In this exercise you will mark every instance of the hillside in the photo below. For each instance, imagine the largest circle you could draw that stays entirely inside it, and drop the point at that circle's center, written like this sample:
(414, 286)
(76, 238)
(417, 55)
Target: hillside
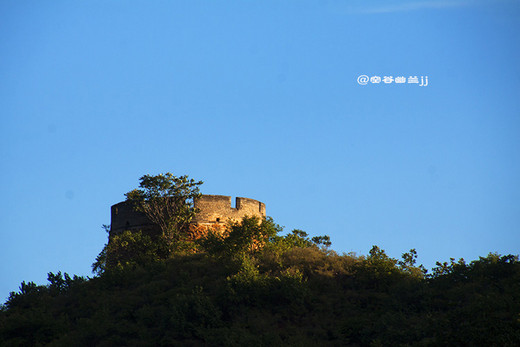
(245, 283)
(291, 291)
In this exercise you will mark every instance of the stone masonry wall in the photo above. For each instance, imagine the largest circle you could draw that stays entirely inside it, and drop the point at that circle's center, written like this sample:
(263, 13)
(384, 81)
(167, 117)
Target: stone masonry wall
(217, 209)
(213, 209)
(124, 217)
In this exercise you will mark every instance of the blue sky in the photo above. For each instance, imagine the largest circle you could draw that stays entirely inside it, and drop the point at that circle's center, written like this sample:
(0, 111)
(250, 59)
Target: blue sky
(260, 99)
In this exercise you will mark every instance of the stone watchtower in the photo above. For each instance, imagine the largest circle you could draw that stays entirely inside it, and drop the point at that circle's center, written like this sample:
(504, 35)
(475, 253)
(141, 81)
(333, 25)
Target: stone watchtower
(213, 209)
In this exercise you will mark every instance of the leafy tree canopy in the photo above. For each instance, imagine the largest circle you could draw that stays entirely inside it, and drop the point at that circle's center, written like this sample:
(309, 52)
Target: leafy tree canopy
(168, 201)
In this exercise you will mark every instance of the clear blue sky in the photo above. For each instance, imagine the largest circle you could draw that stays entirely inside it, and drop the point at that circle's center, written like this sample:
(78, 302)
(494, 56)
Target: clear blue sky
(260, 99)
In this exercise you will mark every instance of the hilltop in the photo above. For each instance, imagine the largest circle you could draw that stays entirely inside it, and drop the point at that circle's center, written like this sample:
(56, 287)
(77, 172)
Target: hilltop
(298, 296)
(247, 283)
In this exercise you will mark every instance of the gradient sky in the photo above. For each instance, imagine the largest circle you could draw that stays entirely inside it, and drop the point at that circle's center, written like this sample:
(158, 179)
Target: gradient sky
(260, 99)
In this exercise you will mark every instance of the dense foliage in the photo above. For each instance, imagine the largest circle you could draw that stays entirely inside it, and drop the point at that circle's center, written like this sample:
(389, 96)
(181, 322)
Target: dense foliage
(247, 284)
(258, 288)
(167, 201)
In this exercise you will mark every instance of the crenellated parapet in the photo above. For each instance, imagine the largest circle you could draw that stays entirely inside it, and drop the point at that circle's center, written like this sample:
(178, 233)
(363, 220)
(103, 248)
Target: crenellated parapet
(218, 209)
(213, 209)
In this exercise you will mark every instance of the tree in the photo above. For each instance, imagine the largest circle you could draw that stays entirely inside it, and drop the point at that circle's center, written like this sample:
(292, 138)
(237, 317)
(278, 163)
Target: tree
(168, 201)
(243, 238)
(130, 249)
(407, 265)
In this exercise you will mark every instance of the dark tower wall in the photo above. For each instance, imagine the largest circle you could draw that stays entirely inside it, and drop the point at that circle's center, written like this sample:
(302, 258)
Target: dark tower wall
(124, 217)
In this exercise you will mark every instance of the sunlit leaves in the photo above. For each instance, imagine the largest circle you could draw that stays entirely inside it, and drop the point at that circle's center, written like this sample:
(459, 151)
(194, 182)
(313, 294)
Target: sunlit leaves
(168, 201)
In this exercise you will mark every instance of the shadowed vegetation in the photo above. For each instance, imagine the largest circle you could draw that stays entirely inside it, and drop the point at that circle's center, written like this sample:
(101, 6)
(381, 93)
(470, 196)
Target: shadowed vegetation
(259, 288)
(247, 284)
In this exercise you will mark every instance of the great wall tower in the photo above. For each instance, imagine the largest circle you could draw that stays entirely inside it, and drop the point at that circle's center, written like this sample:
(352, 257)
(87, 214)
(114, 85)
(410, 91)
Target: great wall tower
(213, 209)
